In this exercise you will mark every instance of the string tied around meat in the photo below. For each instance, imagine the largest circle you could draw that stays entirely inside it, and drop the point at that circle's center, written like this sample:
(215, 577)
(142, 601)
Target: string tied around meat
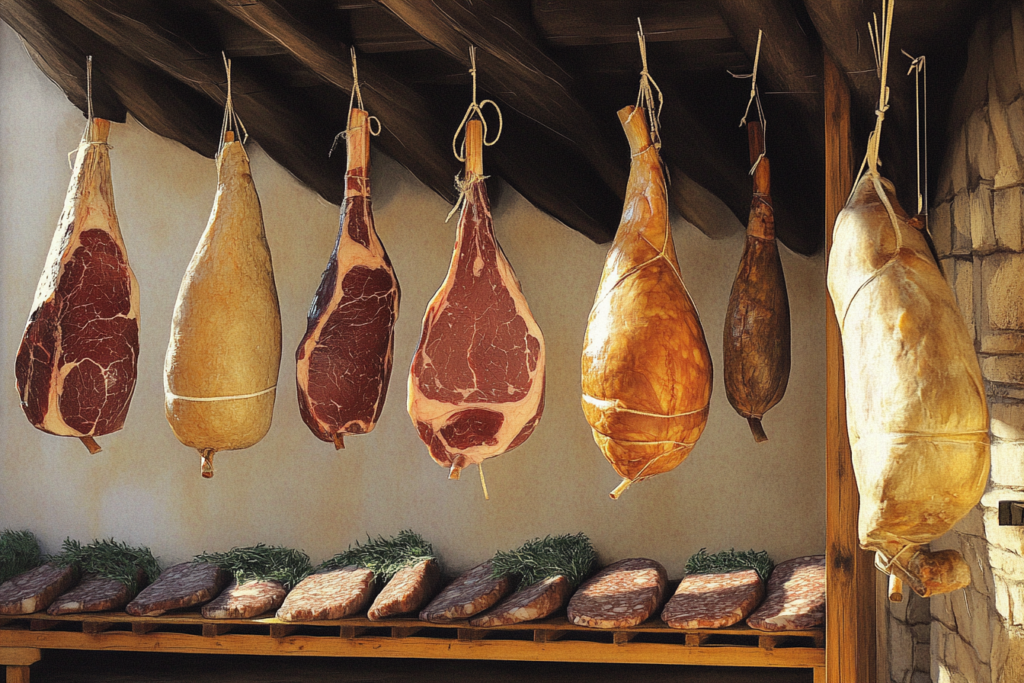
(475, 109)
(755, 97)
(89, 114)
(231, 119)
(355, 98)
(645, 96)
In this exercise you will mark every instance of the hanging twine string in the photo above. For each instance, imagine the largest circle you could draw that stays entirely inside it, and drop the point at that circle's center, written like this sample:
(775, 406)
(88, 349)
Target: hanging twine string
(880, 46)
(645, 97)
(919, 69)
(231, 120)
(755, 96)
(89, 112)
(475, 109)
(88, 85)
(355, 98)
(483, 482)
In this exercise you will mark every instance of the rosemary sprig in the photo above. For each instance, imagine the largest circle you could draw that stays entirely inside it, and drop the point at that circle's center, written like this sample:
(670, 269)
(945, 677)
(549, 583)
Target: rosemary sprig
(384, 556)
(569, 555)
(730, 561)
(109, 559)
(262, 563)
(19, 552)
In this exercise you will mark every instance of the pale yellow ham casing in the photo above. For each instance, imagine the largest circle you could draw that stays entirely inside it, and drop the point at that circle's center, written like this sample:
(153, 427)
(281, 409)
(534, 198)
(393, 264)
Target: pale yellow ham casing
(915, 400)
(646, 365)
(220, 372)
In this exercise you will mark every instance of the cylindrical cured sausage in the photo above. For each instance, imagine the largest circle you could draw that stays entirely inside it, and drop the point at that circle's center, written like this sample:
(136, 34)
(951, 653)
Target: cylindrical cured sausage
(756, 348)
(646, 365)
(220, 372)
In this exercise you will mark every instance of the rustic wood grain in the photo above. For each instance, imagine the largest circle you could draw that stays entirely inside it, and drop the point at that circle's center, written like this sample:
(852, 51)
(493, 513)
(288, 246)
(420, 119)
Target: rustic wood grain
(569, 22)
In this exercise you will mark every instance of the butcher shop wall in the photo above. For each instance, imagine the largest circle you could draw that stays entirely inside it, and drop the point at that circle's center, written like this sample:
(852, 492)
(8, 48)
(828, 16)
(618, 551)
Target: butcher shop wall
(977, 220)
(294, 490)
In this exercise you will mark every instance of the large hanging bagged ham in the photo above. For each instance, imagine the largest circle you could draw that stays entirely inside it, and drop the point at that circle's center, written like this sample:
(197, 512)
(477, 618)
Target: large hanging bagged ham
(915, 399)
(646, 365)
(476, 386)
(756, 345)
(343, 363)
(76, 367)
(220, 372)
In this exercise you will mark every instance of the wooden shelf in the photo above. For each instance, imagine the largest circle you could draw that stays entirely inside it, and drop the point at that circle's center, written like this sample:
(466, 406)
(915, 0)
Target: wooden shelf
(552, 640)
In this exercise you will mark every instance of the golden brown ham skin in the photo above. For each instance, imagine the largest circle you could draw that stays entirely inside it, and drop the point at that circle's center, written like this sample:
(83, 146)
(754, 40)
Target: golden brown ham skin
(916, 410)
(756, 346)
(646, 366)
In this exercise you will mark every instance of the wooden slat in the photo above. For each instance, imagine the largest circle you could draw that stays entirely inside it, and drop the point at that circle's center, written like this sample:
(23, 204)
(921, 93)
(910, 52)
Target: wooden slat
(41, 624)
(282, 630)
(570, 22)
(623, 637)
(214, 630)
(696, 639)
(405, 631)
(473, 634)
(422, 648)
(142, 628)
(547, 636)
(351, 631)
(19, 656)
(96, 626)
(850, 638)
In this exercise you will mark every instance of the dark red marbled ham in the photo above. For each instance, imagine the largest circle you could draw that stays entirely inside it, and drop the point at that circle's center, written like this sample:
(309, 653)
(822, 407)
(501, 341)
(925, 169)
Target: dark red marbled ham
(343, 363)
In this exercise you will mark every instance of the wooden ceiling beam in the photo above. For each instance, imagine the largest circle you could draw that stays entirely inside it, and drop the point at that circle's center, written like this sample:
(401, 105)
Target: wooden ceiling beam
(374, 29)
(595, 22)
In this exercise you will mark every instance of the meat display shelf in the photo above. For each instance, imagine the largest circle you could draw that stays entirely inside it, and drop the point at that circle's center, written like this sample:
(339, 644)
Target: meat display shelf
(22, 638)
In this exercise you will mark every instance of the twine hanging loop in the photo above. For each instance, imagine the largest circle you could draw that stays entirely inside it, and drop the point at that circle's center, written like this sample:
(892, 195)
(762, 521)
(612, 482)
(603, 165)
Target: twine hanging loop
(231, 120)
(355, 98)
(755, 97)
(475, 108)
(645, 97)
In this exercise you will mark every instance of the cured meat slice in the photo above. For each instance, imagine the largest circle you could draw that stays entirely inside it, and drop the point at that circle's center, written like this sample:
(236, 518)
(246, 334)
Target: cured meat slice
(646, 365)
(94, 594)
(77, 364)
(915, 398)
(407, 591)
(34, 590)
(714, 600)
(476, 385)
(621, 595)
(756, 351)
(188, 584)
(220, 371)
(470, 594)
(796, 597)
(343, 363)
(329, 594)
(242, 601)
(533, 602)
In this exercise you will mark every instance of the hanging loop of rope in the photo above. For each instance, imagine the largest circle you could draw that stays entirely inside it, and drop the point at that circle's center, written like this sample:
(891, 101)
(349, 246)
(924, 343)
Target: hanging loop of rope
(755, 97)
(477, 109)
(880, 38)
(918, 67)
(354, 99)
(645, 97)
(231, 120)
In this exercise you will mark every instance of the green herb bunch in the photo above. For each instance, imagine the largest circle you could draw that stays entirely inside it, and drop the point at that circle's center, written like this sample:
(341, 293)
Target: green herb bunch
(19, 552)
(730, 561)
(385, 557)
(262, 563)
(109, 559)
(569, 555)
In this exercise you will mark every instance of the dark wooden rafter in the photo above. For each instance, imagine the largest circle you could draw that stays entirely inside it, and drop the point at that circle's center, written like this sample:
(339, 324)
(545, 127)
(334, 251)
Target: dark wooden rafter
(570, 22)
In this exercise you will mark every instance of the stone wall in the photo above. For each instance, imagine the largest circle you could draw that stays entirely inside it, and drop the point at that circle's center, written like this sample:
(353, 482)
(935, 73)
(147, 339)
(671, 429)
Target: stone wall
(977, 221)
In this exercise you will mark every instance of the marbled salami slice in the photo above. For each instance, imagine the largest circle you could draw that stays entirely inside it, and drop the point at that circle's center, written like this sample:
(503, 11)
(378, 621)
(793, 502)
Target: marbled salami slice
(246, 600)
(329, 594)
(407, 591)
(94, 594)
(188, 584)
(796, 596)
(35, 589)
(714, 600)
(470, 594)
(533, 602)
(621, 595)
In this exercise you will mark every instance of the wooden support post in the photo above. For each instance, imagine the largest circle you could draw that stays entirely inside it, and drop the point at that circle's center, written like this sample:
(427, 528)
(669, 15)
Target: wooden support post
(18, 674)
(141, 628)
(214, 630)
(282, 630)
(850, 626)
(353, 631)
(547, 635)
(18, 660)
(770, 642)
(41, 624)
(696, 639)
(473, 633)
(94, 627)
(623, 637)
(405, 631)
(819, 674)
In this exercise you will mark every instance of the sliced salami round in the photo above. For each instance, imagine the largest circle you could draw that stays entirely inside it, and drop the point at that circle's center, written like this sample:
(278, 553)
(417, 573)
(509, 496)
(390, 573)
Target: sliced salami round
(621, 595)
(35, 589)
(470, 594)
(533, 602)
(329, 594)
(407, 591)
(796, 596)
(188, 584)
(714, 600)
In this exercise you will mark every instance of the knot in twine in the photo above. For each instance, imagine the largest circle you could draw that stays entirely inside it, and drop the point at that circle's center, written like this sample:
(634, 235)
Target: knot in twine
(755, 96)
(645, 97)
(354, 98)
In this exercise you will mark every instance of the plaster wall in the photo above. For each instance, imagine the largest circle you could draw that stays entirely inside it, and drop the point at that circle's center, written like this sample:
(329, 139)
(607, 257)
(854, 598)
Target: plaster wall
(295, 490)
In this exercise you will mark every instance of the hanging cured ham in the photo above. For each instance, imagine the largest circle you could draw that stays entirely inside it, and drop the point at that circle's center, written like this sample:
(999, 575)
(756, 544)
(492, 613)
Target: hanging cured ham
(646, 365)
(756, 345)
(476, 386)
(220, 372)
(76, 367)
(915, 399)
(343, 363)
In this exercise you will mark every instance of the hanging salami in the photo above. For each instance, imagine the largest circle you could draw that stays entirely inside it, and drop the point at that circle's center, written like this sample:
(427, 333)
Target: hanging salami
(220, 371)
